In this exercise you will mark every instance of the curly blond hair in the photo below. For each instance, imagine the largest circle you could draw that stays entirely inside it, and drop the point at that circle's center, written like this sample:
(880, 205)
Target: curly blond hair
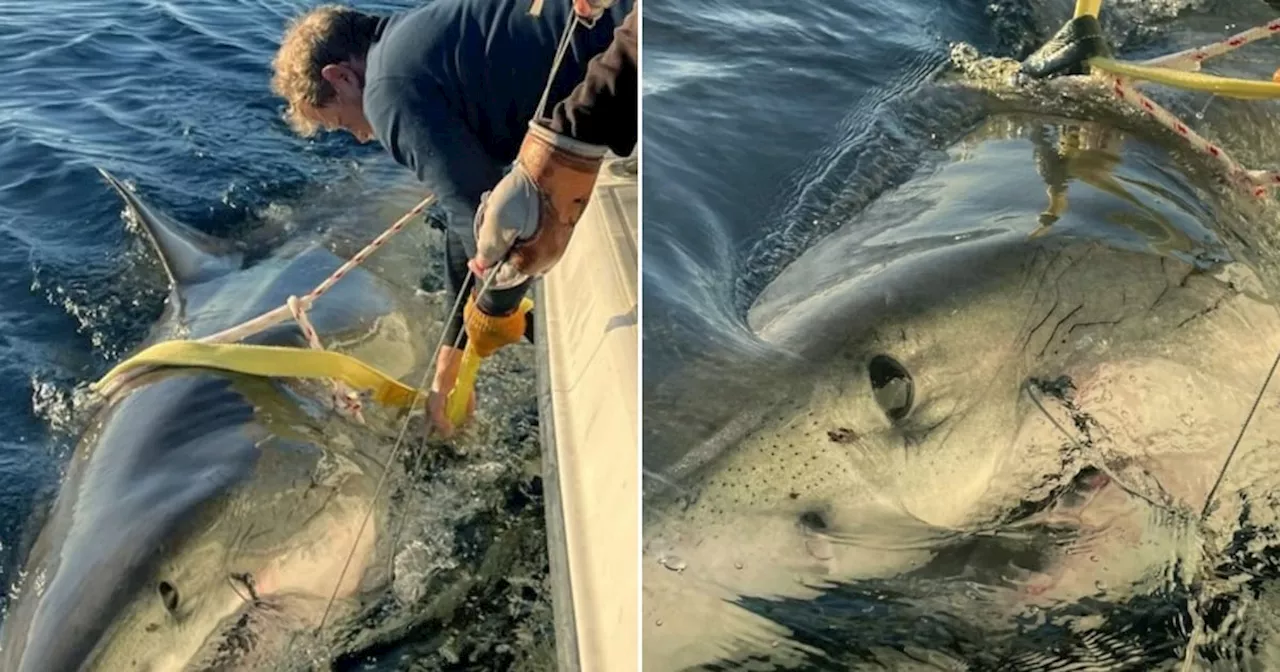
(325, 35)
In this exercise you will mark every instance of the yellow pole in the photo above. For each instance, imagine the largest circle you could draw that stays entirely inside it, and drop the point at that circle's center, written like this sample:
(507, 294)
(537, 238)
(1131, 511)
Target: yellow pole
(456, 405)
(1088, 8)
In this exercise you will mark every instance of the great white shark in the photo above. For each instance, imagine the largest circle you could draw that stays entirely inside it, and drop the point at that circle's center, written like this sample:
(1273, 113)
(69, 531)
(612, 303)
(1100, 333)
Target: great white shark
(206, 518)
(942, 421)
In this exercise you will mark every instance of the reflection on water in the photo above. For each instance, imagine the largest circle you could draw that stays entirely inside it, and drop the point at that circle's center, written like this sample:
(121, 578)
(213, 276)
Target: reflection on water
(980, 430)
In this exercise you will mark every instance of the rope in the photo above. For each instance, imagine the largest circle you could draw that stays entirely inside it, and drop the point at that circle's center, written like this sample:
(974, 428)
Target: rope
(395, 451)
(1256, 183)
(271, 361)
(344, 399)
(1208, 500)
(565, 37)
(1190, 59)
(269, 319)
(1231, 87)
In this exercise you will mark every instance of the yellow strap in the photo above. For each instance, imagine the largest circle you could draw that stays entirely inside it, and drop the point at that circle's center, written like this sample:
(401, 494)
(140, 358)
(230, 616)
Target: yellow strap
(463, 387)
(272, 361)
(1088, 8)
(1248, 89)
(280, 362)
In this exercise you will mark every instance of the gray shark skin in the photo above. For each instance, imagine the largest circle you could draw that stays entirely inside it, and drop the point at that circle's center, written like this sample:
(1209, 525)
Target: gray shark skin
(205, 517)
(986, 421)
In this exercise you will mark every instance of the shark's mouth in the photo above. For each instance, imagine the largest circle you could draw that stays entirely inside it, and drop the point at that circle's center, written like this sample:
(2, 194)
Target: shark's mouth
(1088, 438)
(1006, 597)
(1024, 552)
(255, 637)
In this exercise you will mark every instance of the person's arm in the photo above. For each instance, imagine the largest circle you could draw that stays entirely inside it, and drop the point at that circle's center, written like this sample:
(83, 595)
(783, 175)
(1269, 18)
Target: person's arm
(602, 109)
(530, 215)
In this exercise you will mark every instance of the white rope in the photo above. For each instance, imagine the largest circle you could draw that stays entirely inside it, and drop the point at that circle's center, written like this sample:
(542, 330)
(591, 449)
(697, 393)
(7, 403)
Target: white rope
(345, 400)
(282, 313)
(1256, 183)
(565, 38)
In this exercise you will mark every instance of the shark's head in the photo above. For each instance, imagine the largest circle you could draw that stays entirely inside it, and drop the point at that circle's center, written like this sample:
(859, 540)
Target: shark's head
(207, 519)
(1040, 419)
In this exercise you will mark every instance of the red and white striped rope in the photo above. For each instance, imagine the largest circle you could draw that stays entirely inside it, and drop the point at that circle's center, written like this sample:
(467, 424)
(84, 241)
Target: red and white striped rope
(1190, 59)
(1254, 182)
(274, 317)
(295, 307)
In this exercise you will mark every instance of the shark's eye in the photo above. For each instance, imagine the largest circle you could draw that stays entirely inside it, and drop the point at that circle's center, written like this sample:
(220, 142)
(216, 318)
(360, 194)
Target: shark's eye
(892, 386)
(168, 595)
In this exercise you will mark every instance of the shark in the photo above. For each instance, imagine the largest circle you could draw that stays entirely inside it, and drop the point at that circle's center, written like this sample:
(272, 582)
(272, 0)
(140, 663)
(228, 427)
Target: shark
(962, 411)
(208, 520)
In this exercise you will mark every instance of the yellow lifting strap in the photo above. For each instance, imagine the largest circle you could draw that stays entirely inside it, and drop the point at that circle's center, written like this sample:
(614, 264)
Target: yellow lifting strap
(464, 387)
(1088, 8)
(1248, 89)
(271, 361)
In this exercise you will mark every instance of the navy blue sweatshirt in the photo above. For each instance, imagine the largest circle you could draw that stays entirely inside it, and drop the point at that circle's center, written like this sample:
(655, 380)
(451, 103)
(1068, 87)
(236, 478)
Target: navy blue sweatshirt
(450, 88)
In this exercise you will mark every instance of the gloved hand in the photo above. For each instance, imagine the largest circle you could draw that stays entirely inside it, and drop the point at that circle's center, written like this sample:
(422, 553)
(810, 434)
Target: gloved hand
(489, 333)
(590, 10)
(1067, 52)
(532, 211)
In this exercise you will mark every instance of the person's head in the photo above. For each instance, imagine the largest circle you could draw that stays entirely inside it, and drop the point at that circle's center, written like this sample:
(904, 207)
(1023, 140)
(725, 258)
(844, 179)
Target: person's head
(319, 70)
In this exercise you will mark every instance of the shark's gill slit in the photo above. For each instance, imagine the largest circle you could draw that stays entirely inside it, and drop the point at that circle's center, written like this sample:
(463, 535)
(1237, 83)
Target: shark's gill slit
(169, 596)
(244, 586)
(892, 386)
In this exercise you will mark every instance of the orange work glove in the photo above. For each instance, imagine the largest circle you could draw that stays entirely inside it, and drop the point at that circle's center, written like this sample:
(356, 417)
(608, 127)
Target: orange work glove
(490, 333)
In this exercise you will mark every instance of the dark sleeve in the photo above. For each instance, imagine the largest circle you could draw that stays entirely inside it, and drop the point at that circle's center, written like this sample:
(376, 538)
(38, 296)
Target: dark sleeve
(602, 109)
(426, 137)
(456, 282)
(423, 134)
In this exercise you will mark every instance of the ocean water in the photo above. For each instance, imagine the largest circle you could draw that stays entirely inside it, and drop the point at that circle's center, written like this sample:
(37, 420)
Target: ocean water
(768, 126)
(174, 97)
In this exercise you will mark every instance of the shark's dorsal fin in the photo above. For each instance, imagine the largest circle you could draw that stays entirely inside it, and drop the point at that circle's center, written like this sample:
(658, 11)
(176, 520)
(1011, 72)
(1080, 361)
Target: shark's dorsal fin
(189, 256)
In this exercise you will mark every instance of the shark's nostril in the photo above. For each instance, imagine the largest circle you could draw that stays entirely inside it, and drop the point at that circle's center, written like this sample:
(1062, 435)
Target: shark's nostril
(813, 521)
(169, 596)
